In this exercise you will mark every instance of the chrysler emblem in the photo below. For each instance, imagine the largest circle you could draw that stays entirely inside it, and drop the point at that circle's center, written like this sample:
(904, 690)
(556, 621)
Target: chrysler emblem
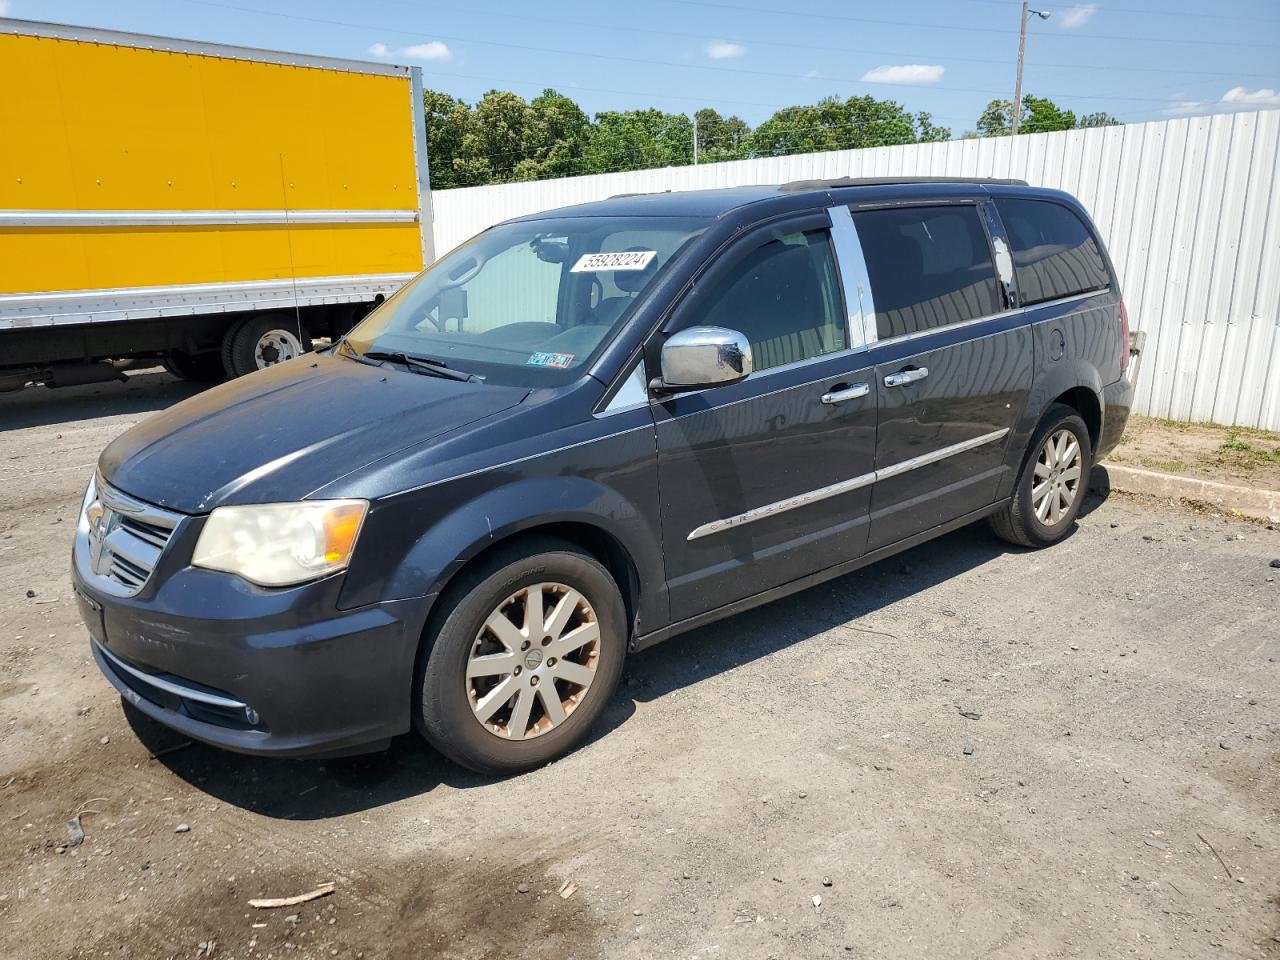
(102, 520)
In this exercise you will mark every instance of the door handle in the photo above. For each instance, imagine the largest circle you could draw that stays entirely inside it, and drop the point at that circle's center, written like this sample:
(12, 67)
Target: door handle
(842, 394)
(903, 377)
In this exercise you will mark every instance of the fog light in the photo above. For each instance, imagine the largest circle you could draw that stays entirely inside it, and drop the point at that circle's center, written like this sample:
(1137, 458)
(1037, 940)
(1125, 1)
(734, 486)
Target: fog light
(251, 716)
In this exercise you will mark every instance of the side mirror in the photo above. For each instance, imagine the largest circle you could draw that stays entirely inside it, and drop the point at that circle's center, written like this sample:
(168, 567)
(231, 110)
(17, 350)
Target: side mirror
(703, 357)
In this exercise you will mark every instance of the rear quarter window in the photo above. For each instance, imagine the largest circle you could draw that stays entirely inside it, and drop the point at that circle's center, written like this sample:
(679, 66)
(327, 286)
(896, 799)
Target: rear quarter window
(1054, 254)
(928, 267)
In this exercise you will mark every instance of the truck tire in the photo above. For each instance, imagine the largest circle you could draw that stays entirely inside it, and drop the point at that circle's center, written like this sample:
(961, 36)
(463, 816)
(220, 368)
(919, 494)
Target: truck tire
(554, 672)
(199, 368)
(264, 341)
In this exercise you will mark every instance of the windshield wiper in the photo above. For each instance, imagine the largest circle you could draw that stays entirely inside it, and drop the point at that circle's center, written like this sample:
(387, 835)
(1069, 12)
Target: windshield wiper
(434, 368)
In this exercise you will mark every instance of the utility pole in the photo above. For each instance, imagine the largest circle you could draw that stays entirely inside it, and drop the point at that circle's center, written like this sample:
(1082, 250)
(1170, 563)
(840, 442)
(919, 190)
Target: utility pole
(695, 139)
(1022, 46)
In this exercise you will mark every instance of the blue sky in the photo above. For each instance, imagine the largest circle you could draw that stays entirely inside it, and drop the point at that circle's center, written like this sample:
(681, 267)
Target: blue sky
(751, 57)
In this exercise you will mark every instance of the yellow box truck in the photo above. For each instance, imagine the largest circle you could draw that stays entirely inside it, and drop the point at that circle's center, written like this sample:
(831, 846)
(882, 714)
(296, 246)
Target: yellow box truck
(212, 207)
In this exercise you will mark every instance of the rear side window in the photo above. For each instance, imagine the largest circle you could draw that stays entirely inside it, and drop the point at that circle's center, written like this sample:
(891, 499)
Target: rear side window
(784, 297)
(1054, 254)
(928, 267)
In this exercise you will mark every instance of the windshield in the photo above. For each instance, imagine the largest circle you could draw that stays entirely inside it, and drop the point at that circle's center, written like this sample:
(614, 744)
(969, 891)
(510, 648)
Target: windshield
(528, 303)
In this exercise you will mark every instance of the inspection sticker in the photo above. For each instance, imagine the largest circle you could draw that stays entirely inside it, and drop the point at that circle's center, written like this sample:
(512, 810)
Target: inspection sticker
(560, 361)
(622, 260)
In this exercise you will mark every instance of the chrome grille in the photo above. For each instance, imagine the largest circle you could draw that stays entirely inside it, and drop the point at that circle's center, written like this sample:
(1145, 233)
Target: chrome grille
(122, 538)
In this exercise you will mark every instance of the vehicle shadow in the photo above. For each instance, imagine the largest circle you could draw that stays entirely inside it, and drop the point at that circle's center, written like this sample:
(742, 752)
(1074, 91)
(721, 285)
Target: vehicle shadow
(313, 789)
(142, 391)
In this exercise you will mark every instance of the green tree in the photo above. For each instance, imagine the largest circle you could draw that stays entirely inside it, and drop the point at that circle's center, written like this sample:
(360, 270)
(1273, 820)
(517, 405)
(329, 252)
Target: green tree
(495, 142)
(1098, 119)
(448, 120)
(929, 132)
(1039, 115)
(636, 139)
(556, 134)
(720, 138)
(833, 124)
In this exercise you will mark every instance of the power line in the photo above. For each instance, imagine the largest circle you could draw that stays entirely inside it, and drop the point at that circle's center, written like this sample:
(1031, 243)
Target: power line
(614, 27)
(1150, 11)
(916, 24)
(613, 58)
(560, 88)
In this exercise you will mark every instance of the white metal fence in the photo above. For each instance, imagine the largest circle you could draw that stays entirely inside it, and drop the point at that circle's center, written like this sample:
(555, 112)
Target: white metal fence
(1189, 209)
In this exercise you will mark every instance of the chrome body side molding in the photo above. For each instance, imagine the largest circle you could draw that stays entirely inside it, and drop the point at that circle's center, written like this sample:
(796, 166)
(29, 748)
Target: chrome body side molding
(168, 686)
(844, 486)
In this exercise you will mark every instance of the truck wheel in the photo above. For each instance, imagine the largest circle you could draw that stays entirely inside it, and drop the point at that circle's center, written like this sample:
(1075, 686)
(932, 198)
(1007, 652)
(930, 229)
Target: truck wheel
(1052, 485)
(527, 653)
(200, 367)
(264, 341)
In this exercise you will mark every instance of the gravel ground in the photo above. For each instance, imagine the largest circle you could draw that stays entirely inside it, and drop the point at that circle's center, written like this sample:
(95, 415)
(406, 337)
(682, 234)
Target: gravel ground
(964, 751)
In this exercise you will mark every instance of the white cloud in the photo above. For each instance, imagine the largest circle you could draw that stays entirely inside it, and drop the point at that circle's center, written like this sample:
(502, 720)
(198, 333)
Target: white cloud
(4, 8)
(1265, 97)
(1178, 107)
(1077, 16)
(809, 74)
(905, 73)
(724, 49)
(1237, 98)
(432, 50)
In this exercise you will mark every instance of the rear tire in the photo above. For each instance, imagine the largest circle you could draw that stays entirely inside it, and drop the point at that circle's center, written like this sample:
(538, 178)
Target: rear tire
(200, 367)
(1052, 484)
(264, 341)
(502, 694)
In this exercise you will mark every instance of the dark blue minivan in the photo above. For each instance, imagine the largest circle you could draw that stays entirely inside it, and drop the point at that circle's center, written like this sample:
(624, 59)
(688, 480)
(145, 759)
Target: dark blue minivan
(585, 431)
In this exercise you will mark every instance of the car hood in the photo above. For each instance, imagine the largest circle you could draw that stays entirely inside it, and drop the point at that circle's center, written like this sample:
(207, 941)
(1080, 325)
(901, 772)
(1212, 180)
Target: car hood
(281, 433)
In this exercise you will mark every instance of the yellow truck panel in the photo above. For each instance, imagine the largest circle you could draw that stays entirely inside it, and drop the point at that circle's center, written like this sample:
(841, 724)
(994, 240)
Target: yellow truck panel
(159, 197)
(161, 130)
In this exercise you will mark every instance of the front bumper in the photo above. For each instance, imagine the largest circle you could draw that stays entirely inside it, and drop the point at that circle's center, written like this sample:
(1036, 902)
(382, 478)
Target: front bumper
(268, 672)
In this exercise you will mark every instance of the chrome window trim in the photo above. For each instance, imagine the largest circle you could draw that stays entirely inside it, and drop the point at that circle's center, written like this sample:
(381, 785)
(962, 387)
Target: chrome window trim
(168, 686)
(172, 218)
(859, 301)
(844, 486)
(989, 317)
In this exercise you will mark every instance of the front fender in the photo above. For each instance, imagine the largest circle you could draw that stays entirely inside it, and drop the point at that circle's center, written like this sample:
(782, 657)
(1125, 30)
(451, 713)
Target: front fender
(415, 542)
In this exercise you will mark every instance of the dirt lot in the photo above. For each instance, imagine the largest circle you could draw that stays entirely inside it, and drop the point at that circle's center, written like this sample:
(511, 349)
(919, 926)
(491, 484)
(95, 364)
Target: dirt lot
(1234, 455)
(1126, 693)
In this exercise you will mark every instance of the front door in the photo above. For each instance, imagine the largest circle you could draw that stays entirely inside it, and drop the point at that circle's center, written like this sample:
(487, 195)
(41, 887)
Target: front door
(953, 365)
(766, 480)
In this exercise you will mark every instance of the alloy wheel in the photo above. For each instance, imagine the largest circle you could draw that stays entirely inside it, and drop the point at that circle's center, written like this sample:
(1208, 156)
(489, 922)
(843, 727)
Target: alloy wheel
(533, 661)
(1056, 483)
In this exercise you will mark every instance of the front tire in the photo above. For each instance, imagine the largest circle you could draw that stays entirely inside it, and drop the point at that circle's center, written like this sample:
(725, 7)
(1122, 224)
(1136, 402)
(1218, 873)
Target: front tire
(527, 652)
(1052, 484)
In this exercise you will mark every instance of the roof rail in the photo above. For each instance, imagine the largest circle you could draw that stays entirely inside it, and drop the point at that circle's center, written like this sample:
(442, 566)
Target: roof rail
(800, 186)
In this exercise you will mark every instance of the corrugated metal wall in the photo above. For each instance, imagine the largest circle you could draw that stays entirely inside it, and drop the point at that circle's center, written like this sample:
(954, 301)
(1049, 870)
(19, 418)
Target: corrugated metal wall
(1189, 209)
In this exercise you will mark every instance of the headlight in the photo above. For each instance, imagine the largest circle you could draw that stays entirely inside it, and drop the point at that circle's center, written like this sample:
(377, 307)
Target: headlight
(278, 544)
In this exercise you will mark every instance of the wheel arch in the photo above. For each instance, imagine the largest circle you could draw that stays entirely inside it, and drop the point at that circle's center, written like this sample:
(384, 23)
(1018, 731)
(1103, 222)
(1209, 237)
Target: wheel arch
(1086, 403)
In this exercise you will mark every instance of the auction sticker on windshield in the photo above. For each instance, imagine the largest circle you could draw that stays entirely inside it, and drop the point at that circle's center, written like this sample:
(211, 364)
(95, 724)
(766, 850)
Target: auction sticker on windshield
(622, 260)
(561, 361)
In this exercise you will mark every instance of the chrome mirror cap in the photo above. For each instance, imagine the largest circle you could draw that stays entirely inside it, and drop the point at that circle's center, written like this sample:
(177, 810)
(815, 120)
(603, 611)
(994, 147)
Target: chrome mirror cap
(704, 357)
